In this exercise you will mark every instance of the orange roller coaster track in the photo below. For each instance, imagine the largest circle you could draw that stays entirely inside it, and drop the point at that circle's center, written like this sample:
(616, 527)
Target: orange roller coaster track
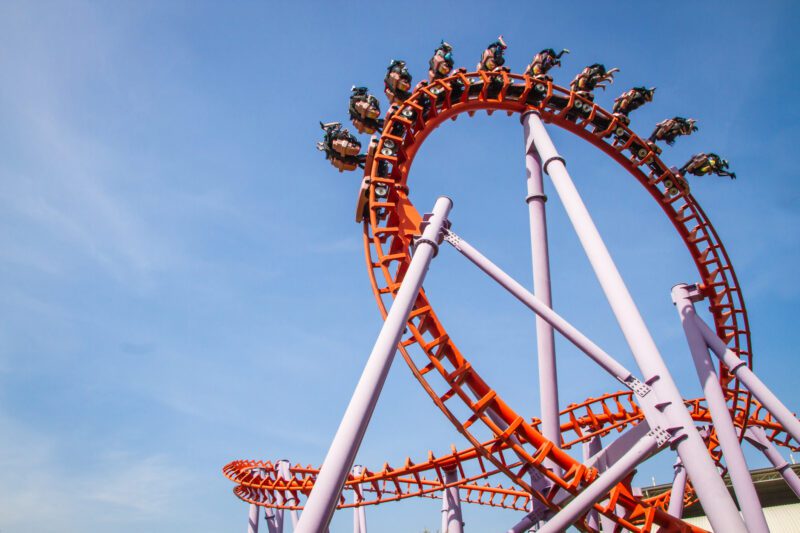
(503, 442)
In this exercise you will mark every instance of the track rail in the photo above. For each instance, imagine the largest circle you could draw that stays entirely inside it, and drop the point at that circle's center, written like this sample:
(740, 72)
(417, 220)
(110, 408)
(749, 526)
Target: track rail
(502, 441)
(257, 481)
(429, 351)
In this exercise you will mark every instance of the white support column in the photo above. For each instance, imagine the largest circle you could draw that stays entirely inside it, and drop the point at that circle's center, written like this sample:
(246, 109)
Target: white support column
(602, 459)
(722, 512)
(451, 504)
(678, 489)
(742, 372)
(284, 473)
(323, 498)
(278, 514)
(682, 297)
(271, 520)
(590, 448)
(545, 340)
(252, 519)
(274, 516)
(359, 516)
(758, 438)
(570, 513)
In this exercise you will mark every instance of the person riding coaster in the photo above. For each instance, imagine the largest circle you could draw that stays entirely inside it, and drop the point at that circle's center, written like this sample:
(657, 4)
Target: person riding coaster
(441, 64)
(670, 129)
(590, 78)
(703, 164)
(364, 111)
(492, 58)
(631, 100)
(341, 147)
(543, 62)
(397, 83)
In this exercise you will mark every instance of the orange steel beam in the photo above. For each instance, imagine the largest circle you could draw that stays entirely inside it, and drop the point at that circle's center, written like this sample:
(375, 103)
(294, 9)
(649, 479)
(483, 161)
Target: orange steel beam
(596, 416)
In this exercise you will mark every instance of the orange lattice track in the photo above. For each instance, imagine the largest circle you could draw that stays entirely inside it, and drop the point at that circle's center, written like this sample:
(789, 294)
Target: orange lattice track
(515, 446)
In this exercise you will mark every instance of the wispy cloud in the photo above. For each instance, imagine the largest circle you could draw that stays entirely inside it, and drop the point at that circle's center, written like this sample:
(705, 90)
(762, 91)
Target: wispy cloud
(39, 489)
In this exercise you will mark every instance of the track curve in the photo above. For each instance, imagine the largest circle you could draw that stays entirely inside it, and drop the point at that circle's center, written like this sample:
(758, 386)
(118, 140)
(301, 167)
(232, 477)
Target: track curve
(391, 221)
(503, 442)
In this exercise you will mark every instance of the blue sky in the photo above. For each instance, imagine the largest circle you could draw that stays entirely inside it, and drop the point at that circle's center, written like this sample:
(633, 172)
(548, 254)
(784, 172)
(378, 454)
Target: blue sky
(184, 284)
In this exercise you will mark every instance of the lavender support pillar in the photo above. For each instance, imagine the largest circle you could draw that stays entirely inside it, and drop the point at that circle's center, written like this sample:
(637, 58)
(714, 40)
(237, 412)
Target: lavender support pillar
(608, 363)
(252, 519)
(451, 504)
(271, 519)
(328, 486)
(757, 437)
(274, 517)
(678, 489)
(720, 415)
(601, 459)
(359, 517)
(283, 471)
(591, 448)
(722, 512)
(739, 368)
(545, 341)
(569, 514)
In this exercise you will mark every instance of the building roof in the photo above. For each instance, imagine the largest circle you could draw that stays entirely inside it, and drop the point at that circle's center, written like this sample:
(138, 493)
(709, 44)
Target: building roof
(772, 490)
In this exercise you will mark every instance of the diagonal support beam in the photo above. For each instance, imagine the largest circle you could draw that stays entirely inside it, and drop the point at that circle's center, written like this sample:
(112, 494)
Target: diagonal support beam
(581, 341)
(742, 372)
(584, 501)
(720, 415)
(595, 457)
(756, 436)
(722, 512)
(323, 498)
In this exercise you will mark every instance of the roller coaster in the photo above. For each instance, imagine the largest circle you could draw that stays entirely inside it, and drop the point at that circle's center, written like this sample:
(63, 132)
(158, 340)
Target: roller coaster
(515, 462)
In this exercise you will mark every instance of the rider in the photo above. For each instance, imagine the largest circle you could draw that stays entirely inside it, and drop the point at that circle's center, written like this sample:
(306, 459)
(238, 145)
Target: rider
(543, 62)
(341, 147)
(590, 78)
(668, 130)
(630, 100)
(441, 64)
(492, 58)
(364, 111)
(397, 83)
(710, 163)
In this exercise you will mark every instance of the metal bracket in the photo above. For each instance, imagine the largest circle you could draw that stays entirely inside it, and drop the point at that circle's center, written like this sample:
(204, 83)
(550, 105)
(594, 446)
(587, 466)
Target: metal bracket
(662, 437)
(453, 239)
(554, 158)
(419, 240)
(426, 219)
(542, 197)
(695, 292)
(529, 112)
(639, 388)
